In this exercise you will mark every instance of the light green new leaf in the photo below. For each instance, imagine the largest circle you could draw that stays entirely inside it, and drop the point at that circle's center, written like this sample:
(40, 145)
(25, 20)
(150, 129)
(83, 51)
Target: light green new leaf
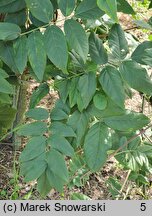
(33, 169)
(20, 53)
(38, 94)
(57, 172)
(56, 47)
(38, 114)
(87, 87)
(33, 129)
(110, 7)
(117, 42)
(136, 76)
(37, 54)
(128, 122)
(112, 84)
(77, 38)
(9, 31)
(125, 7)
(34, 148)
(100, 101)
(62, 129)
(66, 6)
(88, 10)
(97, 143)
(60, 144)
(96, 49)
(42, 10)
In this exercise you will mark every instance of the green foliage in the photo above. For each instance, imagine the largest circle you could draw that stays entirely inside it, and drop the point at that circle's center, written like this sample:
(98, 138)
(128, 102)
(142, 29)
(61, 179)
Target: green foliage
(96, 145)
(92, 66)
(56, 47)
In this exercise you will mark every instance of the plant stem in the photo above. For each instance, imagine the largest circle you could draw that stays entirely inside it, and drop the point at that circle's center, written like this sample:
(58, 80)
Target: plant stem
(124, 184)
(130, 140)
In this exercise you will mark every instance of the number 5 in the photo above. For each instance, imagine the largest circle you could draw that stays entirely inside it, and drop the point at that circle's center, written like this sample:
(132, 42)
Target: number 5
(143, 207)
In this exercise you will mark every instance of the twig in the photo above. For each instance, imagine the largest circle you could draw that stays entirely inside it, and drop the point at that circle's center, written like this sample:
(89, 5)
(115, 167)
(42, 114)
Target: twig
(3, 167)
(131, 28)
(148, 138)
(126, 179)
(130, 140)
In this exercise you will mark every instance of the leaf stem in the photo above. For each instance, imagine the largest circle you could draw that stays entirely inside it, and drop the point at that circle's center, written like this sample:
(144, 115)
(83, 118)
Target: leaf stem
(130, 140)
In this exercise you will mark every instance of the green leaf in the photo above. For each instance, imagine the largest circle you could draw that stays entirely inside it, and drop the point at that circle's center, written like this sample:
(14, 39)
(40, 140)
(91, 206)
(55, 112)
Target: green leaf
(62, 129)
(136, 76)
(88, 10)
(37, 54)
(66, 6)
(112, 84)
(44, 186)
(79, 122)
(9, 31)
(111, 110)
(129, 122)
(5, 99)
(57, 172)
(38, 94)
(20, 53)
(18, 18)
(60, 144)
(63, 87)
(3, 74)
(33, 129)
(143, 24)
(12, 7)
(34, 148)
(7, 55)
(61, 111)
(125, 7)
(87, 87)
(140, 52)
(4, 2)
(100, 101)
(150, 5)
(73, 91)
(79, 196)
(42, 10)
(38, 114)
(96, 49)
(97, 143)
(56, 47)
(147, 57)
(33, 169)
(5, 86)
(77, 38)
(117, 42)
(7, 115)
(114, 186)
(110, 8)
